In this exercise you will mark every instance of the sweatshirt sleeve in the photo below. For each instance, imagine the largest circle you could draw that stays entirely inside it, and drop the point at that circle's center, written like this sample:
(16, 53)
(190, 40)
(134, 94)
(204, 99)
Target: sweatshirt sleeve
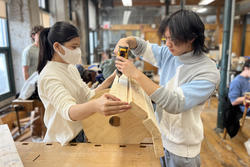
(183, 98)
(57, 95)
(151, 53)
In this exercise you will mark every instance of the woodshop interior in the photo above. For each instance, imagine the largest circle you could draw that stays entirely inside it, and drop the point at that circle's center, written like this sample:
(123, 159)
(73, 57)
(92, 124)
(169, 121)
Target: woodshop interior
(132, 138)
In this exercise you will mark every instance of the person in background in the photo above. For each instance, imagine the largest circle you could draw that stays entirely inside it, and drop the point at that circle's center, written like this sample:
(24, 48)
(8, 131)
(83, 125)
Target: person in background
(88, 76)
(65, 96)
(108, 67)
(187, 79)
(239, 86)
(30, 53)
(138, 63)
(105, 55)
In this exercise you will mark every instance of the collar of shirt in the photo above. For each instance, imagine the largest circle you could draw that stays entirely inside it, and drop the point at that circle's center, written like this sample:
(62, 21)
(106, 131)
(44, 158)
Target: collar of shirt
(189, 58)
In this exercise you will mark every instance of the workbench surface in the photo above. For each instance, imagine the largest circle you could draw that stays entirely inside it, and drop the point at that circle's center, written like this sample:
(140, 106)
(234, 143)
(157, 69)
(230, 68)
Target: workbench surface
(87, 155)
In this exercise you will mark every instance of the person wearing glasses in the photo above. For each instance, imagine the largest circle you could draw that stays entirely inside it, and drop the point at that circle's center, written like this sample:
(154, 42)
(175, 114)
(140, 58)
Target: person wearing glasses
(187, 79)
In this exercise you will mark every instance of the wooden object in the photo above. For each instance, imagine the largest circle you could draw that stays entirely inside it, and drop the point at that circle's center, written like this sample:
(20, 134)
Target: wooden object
(134, 126)
(39, 105)
(29, 106)
(86, 154)
(8, 153)
(246, 104)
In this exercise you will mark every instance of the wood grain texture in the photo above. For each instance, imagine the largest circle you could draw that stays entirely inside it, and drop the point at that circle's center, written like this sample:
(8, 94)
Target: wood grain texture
(8, 153)
(86, 154)
(137, 125)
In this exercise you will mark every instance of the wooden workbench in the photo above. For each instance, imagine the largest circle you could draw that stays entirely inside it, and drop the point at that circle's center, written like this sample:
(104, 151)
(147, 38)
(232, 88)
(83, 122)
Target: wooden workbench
(87, 155)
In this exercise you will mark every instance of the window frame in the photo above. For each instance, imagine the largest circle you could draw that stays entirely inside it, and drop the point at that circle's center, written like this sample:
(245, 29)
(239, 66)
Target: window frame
(46, 9)
(7, 51)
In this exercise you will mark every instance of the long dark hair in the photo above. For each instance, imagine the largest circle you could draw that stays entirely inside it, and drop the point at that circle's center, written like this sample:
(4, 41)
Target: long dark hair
(60, 32)
(185, 25)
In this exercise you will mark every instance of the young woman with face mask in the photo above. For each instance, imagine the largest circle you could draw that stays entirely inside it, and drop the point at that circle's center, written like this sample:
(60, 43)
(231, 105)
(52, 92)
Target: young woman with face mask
(65, 97)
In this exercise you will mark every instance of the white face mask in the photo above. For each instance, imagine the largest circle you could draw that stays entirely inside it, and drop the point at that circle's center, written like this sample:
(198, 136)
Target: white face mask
(71, 56)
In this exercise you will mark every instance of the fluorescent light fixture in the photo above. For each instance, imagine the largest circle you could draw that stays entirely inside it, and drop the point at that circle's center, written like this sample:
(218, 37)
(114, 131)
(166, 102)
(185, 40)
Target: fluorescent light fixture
(205, 2)
(127, 2)
(201, 10)
(126, 16)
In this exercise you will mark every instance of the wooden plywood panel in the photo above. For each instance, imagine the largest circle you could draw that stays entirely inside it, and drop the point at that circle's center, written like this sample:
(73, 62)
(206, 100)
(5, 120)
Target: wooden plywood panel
(99, 129)
(152, 37)
(86, 154)
(8, 153)
(102, 130)
(135, 125)
(237, 39)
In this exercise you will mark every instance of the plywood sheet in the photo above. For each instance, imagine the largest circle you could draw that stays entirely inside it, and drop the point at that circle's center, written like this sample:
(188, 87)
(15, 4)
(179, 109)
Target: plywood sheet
(136, 125)
(86, 154)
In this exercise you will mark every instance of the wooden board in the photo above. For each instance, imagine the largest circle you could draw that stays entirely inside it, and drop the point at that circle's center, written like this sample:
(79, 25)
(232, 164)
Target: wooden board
(8, 153)
(135, 126)
(98, 128)
(86, 154)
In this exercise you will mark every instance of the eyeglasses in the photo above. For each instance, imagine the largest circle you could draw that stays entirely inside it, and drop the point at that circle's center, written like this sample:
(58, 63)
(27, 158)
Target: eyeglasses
(171, 39)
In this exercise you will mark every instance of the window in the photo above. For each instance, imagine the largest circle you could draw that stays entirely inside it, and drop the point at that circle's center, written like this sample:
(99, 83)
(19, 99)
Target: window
(3, 33)
(4, 88)
(7, 88)
(44, 5)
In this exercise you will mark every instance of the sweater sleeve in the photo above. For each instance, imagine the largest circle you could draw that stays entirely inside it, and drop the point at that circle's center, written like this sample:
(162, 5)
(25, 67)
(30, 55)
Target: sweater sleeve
(151, 53)
(183, 98)
(57, 95)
